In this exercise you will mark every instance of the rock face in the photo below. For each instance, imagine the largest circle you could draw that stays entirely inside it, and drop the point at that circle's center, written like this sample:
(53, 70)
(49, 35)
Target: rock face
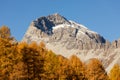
(67, 37)
(55, 29)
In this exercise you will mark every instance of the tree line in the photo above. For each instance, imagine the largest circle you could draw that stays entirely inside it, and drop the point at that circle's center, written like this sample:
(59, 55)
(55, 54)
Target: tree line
(23, 61)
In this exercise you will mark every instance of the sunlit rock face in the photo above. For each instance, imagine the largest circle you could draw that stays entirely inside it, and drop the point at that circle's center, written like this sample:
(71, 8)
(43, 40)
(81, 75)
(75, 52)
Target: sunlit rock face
(67, 37)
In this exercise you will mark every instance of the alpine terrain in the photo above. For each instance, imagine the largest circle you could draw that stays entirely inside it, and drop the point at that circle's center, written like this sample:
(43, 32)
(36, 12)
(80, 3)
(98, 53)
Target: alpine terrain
(67, 37)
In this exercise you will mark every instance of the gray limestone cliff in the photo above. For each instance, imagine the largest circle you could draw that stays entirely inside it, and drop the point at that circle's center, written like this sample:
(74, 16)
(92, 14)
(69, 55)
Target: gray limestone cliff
(55, 29)
(67, 37)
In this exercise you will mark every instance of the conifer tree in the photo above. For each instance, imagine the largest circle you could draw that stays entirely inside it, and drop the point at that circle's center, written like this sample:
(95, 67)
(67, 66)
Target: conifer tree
(77, 68)
(95, 70)
(5, 32)
(115, 73)
(63, 68)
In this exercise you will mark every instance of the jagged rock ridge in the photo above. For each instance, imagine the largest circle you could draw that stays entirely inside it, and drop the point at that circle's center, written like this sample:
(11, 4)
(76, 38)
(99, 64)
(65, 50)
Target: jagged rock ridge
(55, 28)
(67, 37)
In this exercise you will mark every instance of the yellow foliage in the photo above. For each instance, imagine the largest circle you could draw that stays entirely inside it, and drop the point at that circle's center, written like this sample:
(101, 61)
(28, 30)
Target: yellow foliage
(77, 67)
(25, 61)
(5, 32)
(95, 70)
(115, 72)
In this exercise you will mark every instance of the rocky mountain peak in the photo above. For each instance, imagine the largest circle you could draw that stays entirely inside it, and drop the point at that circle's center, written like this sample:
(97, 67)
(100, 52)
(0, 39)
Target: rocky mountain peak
(46, 23)
(57, 19)
(67, 37)
(55, 29)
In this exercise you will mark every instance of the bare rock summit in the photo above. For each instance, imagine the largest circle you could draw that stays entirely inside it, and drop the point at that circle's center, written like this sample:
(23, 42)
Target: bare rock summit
(67, 37)
(54, 29)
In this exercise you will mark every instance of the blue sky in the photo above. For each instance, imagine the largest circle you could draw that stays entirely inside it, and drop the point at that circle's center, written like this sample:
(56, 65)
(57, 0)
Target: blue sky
(102, 16)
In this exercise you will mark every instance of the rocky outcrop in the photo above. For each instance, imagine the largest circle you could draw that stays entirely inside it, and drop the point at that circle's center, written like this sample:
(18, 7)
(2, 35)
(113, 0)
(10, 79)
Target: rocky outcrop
(67, 37)
(55, 29)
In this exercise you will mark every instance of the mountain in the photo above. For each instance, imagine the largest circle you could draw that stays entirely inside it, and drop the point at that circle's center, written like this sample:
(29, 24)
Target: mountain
(55, 28)
(67, 37)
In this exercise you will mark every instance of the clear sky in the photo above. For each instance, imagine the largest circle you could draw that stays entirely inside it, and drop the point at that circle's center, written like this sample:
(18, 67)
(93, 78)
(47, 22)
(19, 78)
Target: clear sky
(102, 16)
